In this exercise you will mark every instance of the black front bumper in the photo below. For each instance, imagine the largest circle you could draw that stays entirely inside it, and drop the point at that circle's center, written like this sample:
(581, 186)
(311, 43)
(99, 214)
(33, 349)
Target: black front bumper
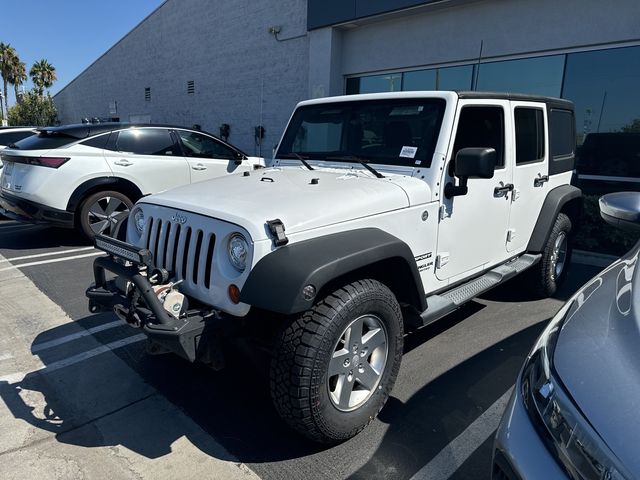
(27, 211)
(195, 336)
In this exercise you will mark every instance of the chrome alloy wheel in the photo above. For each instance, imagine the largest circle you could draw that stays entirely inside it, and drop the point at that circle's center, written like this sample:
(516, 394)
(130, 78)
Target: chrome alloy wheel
(105, 213)
(357, 363)
(559, 255)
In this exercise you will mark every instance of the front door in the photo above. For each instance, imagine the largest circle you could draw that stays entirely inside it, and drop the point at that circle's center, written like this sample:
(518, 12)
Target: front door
(209, 158)
(530, 174)
(473, 227)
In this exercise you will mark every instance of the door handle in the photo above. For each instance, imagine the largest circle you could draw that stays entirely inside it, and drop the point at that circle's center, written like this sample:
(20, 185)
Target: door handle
(198, 166)
(540, 180)
(123, 163)
(500, 191)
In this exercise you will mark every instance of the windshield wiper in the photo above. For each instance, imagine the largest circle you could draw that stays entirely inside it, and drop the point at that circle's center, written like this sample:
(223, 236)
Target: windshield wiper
(361, 161)
(299, 157)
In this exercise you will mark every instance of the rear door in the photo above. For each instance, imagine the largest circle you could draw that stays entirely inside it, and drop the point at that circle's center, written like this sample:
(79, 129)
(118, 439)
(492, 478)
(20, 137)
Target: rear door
(150, 157)
(531, 171)
(207, 157)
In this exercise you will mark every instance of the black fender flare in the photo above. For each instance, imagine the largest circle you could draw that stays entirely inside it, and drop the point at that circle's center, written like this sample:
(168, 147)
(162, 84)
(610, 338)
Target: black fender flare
(95, 184)
(277, 280)
(557, 200)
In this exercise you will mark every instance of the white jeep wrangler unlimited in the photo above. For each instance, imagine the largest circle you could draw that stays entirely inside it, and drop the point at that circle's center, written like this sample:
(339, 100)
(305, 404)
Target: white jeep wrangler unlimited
(382, 213)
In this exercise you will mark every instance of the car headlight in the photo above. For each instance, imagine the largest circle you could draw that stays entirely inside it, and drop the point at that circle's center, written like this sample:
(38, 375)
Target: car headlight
(238, 250)
(568, 435)
(139, 220)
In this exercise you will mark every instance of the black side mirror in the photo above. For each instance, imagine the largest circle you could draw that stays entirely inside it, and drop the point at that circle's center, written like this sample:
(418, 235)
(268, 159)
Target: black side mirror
(471, 163)
(621, 209)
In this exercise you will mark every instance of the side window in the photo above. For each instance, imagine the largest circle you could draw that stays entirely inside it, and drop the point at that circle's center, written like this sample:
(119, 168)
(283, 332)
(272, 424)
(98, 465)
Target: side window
(529, 124)
(481, 127)
(203, 146)
(99, 141)
(147, 141)
(562, 135)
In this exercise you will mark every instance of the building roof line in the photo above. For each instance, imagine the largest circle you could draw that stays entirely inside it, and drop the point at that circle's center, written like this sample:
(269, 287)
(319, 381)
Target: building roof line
(112, 47)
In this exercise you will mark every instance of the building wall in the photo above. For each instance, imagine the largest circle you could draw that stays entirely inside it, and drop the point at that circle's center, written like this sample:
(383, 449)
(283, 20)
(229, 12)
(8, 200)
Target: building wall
(243, 76)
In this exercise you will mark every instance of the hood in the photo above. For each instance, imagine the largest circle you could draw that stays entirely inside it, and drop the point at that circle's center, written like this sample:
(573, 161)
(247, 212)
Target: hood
(597, 357)
(302, 199)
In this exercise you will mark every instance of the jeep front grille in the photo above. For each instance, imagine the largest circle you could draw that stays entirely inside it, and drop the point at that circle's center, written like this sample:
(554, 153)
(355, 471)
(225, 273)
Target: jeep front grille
(181, 249)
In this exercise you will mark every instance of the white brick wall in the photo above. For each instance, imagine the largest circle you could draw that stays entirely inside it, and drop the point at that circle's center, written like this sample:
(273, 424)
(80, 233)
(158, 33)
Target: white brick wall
(224, 47)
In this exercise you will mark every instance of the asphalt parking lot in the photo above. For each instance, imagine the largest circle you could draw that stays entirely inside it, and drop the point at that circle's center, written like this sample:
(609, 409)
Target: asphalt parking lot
(79, 397)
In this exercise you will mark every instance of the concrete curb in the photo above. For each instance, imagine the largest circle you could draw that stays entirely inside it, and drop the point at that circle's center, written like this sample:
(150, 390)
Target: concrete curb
(593, 259)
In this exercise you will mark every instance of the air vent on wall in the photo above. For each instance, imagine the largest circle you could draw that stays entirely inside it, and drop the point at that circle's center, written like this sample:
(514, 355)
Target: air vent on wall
(191, 87)
(147, 94)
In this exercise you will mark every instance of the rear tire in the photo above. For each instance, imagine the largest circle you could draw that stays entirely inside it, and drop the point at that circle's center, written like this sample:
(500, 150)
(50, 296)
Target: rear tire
(546, 277)
(101, 212)
(334, 367)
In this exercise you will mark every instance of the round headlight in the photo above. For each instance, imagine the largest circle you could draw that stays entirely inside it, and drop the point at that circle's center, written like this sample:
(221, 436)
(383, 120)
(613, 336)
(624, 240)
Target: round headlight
(138, 220)
(238, 250)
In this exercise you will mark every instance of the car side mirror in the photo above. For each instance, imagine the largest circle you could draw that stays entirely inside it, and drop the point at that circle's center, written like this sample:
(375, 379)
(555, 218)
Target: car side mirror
(621, 209)
(239, 157)
(471, 163)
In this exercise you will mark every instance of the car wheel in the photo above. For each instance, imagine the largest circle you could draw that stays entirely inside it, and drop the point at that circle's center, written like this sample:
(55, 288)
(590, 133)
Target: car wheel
(551, 271)
(335, 365)
(101, 213)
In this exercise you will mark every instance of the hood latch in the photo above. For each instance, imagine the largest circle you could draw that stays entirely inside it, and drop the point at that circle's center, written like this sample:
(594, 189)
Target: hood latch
(276, 227)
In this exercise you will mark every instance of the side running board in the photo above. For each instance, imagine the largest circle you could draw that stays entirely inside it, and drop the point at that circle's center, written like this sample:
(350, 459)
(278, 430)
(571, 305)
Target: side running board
(444, 303)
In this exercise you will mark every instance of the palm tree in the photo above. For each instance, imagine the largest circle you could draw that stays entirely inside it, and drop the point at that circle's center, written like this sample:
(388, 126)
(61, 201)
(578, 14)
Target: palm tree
(43, 74)
(8, 58)
(18, 76)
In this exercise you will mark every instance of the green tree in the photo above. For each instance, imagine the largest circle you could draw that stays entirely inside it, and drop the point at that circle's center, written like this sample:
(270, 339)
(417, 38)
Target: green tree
(18, 76)
(633, 127)
(34, 109)
(42, 74)
(8, 59)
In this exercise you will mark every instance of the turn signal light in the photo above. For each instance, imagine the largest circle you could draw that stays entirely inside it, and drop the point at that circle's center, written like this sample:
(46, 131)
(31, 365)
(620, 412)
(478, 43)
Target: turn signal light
(234, 293)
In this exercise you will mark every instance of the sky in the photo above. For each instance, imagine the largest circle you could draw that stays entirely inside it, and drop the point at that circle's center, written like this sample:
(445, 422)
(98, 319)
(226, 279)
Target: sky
(69, 34)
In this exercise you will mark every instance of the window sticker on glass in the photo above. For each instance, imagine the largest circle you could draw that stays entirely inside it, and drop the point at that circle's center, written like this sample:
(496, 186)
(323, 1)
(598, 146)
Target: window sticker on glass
(406, 110)
(408, 152)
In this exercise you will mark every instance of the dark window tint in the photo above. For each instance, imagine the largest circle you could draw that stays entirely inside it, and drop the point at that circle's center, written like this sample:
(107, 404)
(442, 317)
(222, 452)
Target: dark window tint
(610, 154)
(562, 133)
(45, 141)
(147, 141)
(99, 141)
(529, 135)
(481, 127)
(7, 138)
(203, 146)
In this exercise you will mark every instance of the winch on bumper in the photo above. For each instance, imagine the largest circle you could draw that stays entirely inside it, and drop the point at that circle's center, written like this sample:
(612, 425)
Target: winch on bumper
(194, 334)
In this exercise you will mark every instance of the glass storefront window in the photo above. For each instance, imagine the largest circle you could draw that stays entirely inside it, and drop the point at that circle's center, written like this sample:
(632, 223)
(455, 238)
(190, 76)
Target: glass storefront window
(450, 78)
(536, 76)
(604, 86)
(388, 82)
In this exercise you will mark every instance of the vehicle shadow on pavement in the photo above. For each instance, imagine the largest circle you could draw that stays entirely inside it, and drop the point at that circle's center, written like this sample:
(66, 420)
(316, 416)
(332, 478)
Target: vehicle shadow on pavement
(25, 236)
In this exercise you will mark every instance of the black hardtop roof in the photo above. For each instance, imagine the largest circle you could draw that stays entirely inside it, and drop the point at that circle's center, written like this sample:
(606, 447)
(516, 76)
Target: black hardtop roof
(84, 130)
(558, 102)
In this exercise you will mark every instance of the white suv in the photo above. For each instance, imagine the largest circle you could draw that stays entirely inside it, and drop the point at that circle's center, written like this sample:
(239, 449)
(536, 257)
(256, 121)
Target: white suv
(10, 135)
(89, 175)
(383, 213)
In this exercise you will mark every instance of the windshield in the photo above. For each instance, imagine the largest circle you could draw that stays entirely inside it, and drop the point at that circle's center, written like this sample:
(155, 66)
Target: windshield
(391, 132)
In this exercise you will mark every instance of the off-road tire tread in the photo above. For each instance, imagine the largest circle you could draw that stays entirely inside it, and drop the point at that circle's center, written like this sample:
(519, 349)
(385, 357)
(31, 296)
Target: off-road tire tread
(541, 281)
(300, 342)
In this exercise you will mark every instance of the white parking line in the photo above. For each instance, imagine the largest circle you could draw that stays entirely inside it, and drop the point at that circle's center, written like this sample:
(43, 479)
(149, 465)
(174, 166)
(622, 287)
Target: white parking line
(48, 254)
(80, 357)
(38, 347)
(54, 260)
(451, 457)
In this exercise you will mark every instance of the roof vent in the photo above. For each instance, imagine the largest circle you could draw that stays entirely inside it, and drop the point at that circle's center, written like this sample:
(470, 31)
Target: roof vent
(191, 87)
(147, 94)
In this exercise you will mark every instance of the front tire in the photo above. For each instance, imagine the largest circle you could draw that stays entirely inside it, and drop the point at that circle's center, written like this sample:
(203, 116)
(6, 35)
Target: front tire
(334, 367)
(101, 212)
